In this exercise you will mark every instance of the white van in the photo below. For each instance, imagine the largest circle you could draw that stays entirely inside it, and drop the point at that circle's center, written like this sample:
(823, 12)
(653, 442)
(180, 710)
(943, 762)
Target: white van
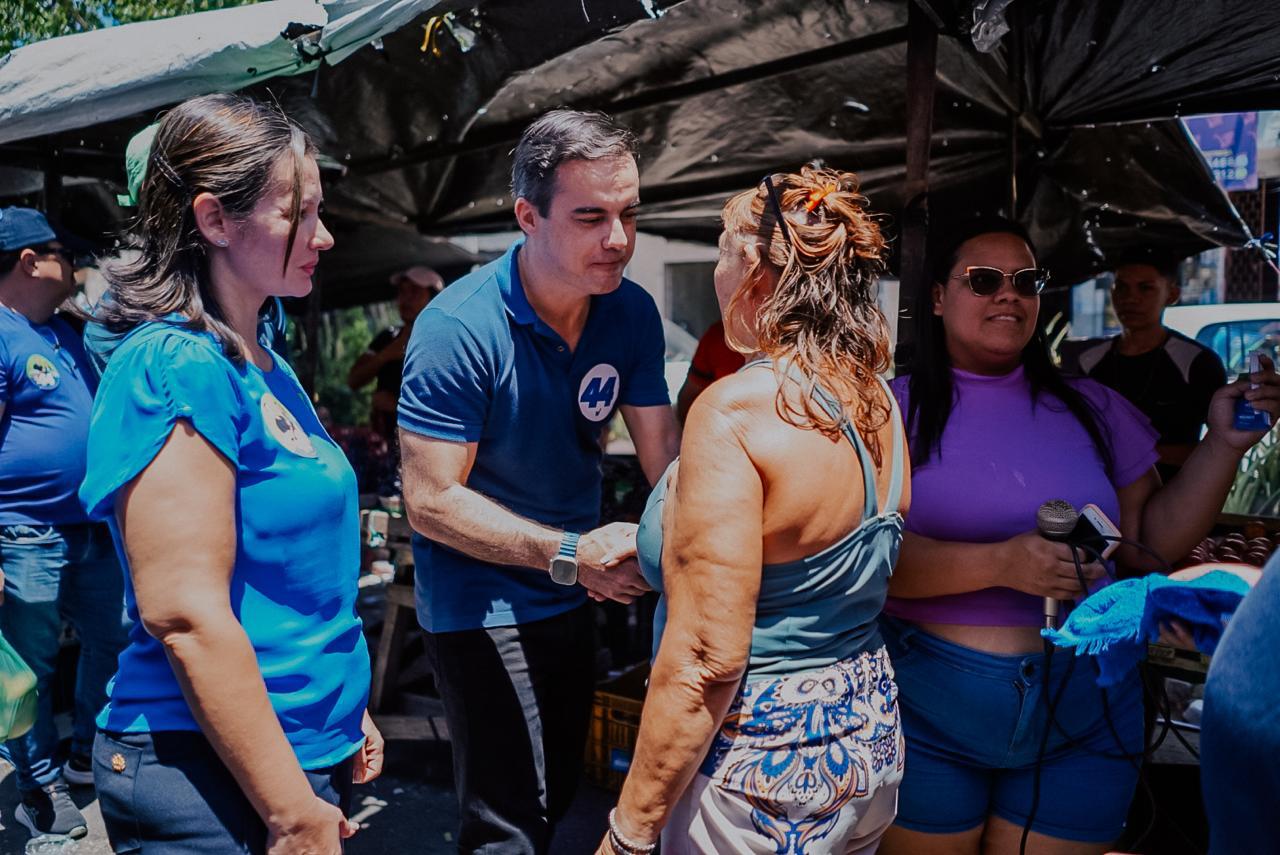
(1231, 330)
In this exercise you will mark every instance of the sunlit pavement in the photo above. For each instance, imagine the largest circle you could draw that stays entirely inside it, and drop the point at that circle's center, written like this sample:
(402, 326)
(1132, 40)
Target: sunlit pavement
(410, 809)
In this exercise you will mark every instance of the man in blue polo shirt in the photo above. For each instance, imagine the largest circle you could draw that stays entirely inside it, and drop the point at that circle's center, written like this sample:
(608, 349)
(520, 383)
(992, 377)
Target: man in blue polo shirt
(55, 563)
(510, 377)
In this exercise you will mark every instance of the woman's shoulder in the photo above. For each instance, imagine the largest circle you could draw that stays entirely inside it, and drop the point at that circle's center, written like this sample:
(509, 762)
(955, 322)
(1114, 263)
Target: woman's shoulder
(169, 349)
(752, 383)
(165, 335)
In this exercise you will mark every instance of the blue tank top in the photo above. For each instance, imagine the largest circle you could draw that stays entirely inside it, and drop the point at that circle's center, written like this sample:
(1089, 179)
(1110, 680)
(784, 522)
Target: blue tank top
(817, 610)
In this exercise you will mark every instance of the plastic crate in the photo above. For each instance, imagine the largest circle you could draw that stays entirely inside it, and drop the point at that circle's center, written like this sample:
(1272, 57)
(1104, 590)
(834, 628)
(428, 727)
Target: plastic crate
(615, 723)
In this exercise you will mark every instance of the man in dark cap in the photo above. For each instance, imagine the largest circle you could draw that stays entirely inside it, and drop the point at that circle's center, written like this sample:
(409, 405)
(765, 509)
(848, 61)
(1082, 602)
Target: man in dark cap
(55, 563)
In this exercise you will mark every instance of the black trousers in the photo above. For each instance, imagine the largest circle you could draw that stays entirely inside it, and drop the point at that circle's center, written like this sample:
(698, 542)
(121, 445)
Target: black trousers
(518, 703)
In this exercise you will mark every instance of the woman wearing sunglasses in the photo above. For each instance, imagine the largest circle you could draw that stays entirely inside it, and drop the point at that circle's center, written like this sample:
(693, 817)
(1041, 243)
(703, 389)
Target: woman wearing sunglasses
(770, 724)
(995, 432)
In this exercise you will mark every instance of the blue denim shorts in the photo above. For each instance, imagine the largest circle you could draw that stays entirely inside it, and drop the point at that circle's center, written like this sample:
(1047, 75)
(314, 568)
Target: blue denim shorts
(974, 722)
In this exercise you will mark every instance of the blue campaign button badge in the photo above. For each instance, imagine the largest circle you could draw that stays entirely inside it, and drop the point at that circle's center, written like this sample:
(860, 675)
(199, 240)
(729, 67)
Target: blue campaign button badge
(598, 392)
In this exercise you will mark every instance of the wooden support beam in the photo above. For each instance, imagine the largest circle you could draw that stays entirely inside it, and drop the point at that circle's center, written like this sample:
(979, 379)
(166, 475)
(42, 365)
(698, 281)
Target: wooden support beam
(1017, 77)
(922, 57)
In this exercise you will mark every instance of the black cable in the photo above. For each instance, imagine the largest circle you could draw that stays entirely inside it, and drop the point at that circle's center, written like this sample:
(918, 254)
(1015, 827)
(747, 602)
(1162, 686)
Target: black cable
(1153, 804)
(1052, 700)
(1161, 696)
(1165, 566)
(1044, 744)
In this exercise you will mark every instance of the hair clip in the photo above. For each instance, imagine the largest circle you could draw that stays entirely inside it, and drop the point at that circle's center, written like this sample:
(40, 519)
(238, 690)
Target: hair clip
(168, 171)
(816, 197)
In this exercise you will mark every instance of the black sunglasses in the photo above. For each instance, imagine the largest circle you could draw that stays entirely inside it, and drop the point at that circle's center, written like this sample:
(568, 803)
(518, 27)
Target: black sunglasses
(772, 193)
(985, 281)
(69, 256)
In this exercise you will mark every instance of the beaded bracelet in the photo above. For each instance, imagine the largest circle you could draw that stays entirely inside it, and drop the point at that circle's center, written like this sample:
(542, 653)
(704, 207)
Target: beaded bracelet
(622, 844)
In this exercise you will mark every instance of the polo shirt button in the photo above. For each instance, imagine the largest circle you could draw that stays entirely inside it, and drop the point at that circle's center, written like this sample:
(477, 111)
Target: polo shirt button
(560, 348)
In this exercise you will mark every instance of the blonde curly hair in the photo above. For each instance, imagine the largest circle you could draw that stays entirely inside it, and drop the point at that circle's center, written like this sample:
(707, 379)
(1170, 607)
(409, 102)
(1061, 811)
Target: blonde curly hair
(822, 317)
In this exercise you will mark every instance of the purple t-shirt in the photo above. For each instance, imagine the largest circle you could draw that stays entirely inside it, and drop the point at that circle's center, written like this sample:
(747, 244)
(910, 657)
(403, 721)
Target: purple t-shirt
(1001, 458)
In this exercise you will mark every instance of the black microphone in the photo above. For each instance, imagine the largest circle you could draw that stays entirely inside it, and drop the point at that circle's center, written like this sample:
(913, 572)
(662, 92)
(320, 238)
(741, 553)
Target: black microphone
(1055, 519)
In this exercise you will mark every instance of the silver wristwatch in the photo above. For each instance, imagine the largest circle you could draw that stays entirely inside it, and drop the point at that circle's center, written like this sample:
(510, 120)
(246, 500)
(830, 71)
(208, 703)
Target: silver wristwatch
(564, 564)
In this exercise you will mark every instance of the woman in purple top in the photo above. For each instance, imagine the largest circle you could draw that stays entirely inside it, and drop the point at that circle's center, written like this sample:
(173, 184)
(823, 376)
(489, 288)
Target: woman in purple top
(995, 432)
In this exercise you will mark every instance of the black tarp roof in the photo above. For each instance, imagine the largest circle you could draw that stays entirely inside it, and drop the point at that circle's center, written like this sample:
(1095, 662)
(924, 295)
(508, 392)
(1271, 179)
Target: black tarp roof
(721, 92)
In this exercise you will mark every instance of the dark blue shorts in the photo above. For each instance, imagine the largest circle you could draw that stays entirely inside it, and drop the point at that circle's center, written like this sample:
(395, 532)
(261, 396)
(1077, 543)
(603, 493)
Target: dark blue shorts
(169, 793)
(974, 722)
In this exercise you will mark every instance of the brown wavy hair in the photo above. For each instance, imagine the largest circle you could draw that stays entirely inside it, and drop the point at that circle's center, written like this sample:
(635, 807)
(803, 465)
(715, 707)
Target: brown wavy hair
(822, 317)
(227, 145)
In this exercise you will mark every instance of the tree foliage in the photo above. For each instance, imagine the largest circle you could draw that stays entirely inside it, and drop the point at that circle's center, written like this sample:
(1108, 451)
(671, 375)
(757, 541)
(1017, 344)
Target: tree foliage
(344, 334)
(25, 21)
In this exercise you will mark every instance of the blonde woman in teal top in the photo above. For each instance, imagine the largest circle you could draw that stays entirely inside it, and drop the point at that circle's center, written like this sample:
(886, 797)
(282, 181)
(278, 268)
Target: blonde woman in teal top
(771, 723)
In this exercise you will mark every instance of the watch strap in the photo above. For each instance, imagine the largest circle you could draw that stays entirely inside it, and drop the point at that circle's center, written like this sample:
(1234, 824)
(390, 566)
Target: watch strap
(569, 545)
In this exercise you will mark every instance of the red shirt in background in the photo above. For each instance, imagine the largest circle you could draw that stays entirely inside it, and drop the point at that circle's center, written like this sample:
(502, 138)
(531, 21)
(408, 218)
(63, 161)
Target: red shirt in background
(714, 358)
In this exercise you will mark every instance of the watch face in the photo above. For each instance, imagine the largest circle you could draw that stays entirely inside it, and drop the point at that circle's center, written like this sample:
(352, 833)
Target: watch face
(564, 571)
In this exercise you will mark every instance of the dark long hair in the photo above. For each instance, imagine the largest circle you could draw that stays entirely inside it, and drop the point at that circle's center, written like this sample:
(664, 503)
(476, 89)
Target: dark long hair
(226, 145)
(931, 386)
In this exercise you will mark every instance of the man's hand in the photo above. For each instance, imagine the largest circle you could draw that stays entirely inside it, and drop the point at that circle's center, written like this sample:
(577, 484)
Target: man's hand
(623, 583)
(606, 546)
(607, 567)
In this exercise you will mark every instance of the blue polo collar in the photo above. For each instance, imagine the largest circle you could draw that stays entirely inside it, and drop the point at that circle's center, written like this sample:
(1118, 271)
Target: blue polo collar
(513, 296)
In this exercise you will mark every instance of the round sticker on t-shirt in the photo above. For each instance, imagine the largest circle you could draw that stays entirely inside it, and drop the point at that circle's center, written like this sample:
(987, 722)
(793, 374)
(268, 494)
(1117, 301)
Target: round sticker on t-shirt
(598, 392)
(41, 372)
(284, 428)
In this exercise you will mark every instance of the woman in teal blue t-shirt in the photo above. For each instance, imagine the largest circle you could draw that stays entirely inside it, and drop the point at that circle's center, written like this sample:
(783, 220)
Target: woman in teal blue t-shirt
(237, 721)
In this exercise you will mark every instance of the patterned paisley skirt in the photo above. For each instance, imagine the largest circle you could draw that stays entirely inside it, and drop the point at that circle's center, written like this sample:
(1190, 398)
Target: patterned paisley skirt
(806, 764)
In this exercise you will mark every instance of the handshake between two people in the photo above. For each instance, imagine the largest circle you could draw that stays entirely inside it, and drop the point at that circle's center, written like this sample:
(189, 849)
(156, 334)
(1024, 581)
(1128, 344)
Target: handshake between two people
(607, 565)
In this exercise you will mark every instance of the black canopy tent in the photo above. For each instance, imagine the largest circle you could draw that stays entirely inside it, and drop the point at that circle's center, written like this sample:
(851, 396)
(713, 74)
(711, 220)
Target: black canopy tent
(721, 92)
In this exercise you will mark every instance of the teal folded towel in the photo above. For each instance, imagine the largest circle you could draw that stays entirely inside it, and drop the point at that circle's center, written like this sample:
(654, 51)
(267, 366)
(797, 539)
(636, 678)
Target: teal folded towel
(1116, 623)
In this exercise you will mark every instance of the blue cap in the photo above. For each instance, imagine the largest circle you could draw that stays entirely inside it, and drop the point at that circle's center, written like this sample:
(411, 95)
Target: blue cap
(23, 227)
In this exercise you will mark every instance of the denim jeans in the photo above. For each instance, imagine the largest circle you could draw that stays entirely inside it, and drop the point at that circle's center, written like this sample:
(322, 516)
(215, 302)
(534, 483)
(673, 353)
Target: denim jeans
(53, 573)
(169, 793)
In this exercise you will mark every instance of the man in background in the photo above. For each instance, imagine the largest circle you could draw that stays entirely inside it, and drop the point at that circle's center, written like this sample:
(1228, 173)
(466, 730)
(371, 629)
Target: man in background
(712, 360)
(384, 359)
(55, 563)
(1160, 371)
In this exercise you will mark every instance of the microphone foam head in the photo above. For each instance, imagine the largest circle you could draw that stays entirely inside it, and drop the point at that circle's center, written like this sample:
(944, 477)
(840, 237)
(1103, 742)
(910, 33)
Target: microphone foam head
(1056, 518)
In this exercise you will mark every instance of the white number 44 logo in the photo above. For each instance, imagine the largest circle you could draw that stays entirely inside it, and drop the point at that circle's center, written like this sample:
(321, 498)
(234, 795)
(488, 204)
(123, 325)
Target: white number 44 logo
(598, 391)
